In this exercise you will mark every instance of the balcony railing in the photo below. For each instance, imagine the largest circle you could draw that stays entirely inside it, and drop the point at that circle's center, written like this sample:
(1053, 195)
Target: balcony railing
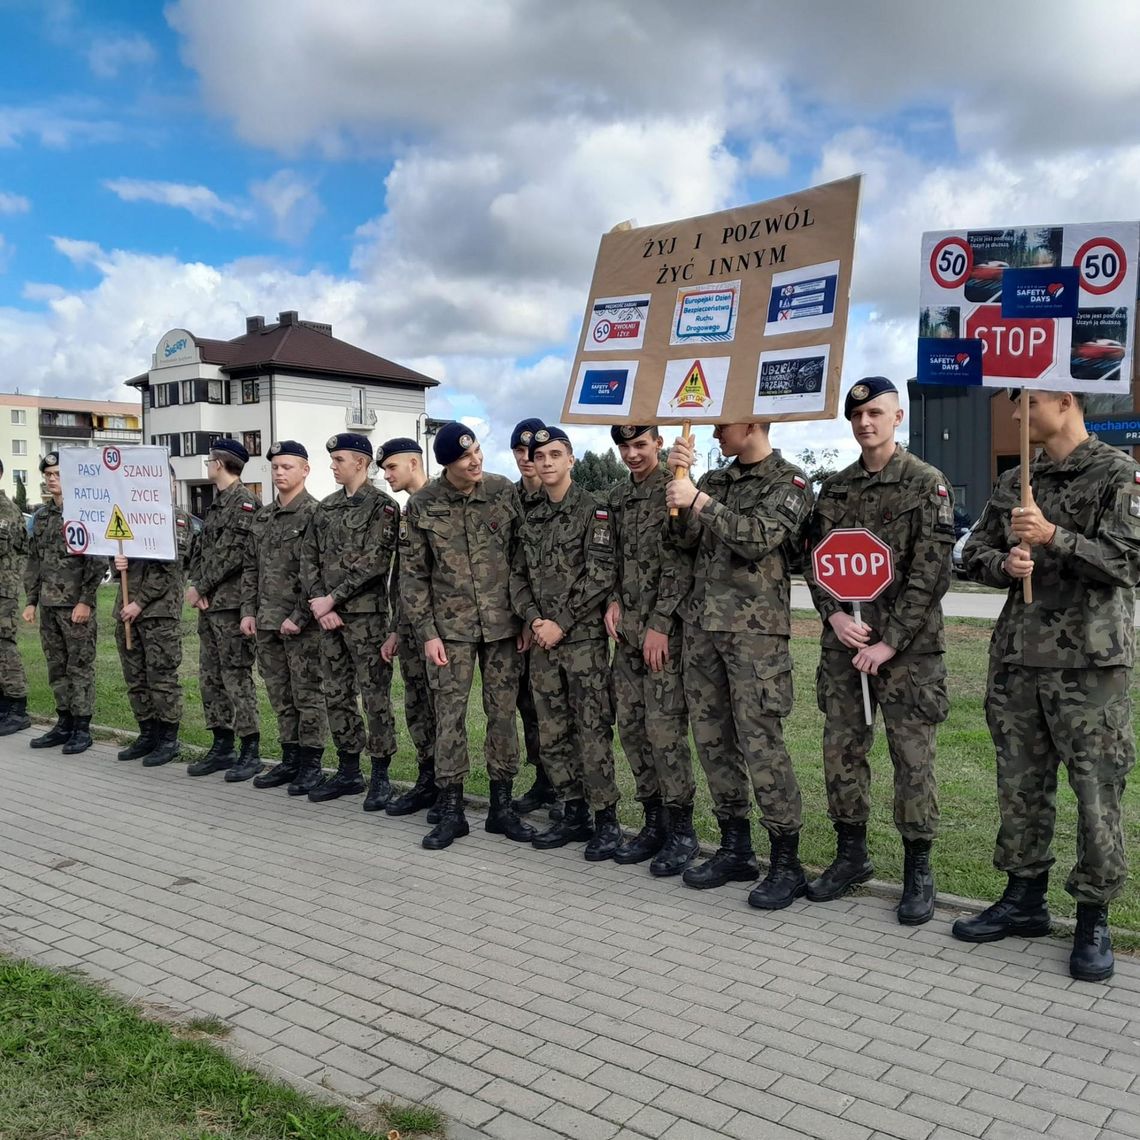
(117, 435)
(62, 431)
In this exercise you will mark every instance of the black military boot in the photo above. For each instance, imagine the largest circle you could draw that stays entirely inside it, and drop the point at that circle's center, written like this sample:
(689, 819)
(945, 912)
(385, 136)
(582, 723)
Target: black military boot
(607, 838)
(249, 760)
(452, 821)
(1091, 959)
(502, 819)
(309, 771)
(573, 827)
(540, 794)
(917, 903)
(59, 733)
(142, 744)
(345, 781)
(166, 746)
(80, 738)
(422, 794)
(16, 719)
(379, 787)
(850, 866)
(221, 755)
(650, 839)
(1020, 910)
(785, 880)
(734, 861)
(284, 772)
(681, 843)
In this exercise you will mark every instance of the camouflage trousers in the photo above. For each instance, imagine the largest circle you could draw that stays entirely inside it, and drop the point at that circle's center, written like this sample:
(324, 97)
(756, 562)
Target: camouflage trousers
(451, 685)
(911, 694)
(13, 679)
(653, 722)
(69, 649)
(291, 669)
(150, 668)
(575, 719)
(419, 701)
(739, 689)
(529, 714)
(225, 672)
(352, 668)
(1040, 719)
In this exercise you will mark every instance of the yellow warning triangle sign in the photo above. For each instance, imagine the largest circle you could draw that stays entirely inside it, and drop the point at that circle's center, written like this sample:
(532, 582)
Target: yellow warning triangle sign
(117, 529)
(694, 390)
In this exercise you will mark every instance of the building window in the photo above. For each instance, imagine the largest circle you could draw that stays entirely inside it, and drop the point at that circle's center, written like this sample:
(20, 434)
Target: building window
(203, 392)
(20, 476)
(19, 417)
(249, 392)
(19, 447)
(119, 422)
(359, 404)
(251, 441)
(188, 443)
(164, 395)
(172, 443)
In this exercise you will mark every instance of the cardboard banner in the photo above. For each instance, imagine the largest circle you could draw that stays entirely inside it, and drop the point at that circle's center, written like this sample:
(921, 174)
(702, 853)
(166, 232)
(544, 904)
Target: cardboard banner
(118, 495)
(729, 317)
(1049, 307)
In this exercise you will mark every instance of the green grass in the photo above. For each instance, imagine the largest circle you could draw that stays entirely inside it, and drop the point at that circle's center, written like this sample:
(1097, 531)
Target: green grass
(76, 1062)
(965, 762)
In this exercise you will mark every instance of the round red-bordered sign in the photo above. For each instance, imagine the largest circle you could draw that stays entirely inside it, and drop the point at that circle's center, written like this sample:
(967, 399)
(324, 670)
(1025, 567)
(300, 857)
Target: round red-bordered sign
(951, 262)
(1102, 264)
(76, 537)
(112, 458)
(602, 331)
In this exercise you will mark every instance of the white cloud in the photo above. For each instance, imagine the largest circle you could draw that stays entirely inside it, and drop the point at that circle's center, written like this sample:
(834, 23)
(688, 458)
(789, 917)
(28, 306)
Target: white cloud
(13, 203)
(291, 202)
(108, 55)
(58, 126)
(200, 201)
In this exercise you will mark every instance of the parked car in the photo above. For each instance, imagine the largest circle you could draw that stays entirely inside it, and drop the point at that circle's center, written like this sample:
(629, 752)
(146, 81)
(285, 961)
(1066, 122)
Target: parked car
(956, 554)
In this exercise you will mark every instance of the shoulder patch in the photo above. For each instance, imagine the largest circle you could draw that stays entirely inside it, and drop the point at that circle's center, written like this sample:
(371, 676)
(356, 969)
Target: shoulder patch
(799, 481)
(180, 522)
(389, 509)
(248, 507)
(1136, 477)
(601, 514)
(943, 493)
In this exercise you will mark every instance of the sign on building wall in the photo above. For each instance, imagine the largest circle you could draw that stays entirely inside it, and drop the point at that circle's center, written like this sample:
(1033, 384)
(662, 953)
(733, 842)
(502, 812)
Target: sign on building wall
(1049, 307)
(734, 316)
(118, 495)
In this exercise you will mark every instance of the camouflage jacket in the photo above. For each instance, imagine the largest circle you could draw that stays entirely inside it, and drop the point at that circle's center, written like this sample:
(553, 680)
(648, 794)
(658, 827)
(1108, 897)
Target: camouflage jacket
(564, 567)
(157, 586)
(653, 576)
(1083, 581)
(13, 547)
(747, 539)
(271, 578)
(348, 548)
(529, 499)
(455, 552)
(909, 506)
(54, 576)
(220, 549)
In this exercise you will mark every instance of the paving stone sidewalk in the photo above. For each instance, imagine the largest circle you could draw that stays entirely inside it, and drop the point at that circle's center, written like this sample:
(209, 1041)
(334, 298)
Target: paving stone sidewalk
(529, 995)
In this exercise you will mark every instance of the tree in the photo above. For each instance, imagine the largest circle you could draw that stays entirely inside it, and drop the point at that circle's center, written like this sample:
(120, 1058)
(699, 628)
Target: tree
(596, 472)
(818, 464)
(21, 495)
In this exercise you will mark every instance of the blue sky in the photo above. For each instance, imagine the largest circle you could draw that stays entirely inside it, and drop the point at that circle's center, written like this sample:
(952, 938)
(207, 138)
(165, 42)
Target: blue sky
(433, 179)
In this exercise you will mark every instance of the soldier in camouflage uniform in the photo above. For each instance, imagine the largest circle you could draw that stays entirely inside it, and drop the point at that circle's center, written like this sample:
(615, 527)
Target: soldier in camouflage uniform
(1060, 671)
(402, 461)
(13, 556)
(649, 694)
(455, 552)
(564, 575)
(152, 664)
(899, 645)
(345, 565)
(225, 656)
(64, 586)
(746, 524)
(275, 612)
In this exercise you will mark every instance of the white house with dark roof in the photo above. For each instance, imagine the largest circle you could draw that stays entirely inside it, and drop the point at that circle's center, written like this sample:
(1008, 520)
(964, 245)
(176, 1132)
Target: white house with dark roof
(288, 380)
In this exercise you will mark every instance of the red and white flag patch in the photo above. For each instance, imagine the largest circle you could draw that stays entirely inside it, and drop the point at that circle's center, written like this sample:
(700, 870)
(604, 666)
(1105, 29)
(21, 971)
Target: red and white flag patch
(248, 507)
(799, 480)
(602, 515)
(943, 492)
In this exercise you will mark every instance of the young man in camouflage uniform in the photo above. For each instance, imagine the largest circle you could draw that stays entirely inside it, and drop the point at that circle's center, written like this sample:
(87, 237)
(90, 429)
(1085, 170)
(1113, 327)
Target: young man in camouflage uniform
(64, 586)
(899, 646)
(152, 664)
(642, 620)
(402, 461)
(13, 556)
(345, 566)
(564, 575)
(746, 524)
(1060, 673)
(275, 613)
(225, 657)
(455, 559)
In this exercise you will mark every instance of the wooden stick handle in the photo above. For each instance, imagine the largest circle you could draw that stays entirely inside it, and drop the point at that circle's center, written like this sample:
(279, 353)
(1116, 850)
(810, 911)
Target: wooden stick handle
(1026, 488)
(682, 472)
(126, 600)
(868, 716)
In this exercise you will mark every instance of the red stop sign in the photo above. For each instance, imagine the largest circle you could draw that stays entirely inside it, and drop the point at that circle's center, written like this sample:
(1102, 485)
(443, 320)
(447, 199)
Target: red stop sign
(1013, 349)
(853, 565)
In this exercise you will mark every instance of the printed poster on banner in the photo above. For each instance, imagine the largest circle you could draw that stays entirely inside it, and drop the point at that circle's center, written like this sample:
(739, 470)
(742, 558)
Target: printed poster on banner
(735, 316)
(1048, 306)
(118, 494)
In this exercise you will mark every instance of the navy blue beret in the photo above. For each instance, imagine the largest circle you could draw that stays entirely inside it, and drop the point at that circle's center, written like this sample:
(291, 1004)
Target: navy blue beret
(397, 446)
(452, 442)
(287, 447)
(867, 389)
(348, 441)
(623, 433)
(49, 460)
(224, 443)
(547, 435)
(524, 429)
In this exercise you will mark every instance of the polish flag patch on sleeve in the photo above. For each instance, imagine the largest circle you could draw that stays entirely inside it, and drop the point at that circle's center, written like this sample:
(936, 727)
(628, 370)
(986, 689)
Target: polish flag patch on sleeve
(247, 507)
(1136, 477)
(943, 493)
(602, 515)
(799, 481)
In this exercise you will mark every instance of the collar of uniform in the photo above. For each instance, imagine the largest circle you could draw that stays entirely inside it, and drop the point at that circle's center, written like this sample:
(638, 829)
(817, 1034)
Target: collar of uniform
(477, 494)
(293, 504)
(1074, 461)
(230, 492)
(737, 470)
(891, 473)
(649, 484)
(362, 493)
